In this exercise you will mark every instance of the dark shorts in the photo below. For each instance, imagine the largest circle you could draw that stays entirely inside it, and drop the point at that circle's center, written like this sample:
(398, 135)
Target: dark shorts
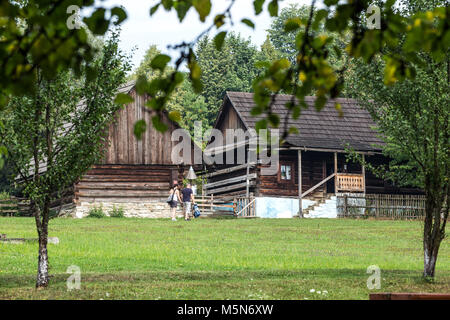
(173, 204)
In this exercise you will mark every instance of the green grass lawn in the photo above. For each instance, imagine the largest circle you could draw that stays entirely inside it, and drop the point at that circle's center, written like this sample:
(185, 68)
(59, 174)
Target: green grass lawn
(220, 258)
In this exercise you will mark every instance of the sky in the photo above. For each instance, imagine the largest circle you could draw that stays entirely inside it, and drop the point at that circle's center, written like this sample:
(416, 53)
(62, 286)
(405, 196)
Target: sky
(140, 31)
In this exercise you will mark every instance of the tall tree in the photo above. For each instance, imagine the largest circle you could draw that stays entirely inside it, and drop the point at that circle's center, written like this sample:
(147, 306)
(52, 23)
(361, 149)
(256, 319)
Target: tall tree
(53, 140)
(230, 69)
(413, 117)
(268, 52)
(285, 42)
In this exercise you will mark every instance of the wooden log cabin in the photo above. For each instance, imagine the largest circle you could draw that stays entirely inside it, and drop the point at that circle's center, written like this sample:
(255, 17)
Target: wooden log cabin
(135, 175)
(312, 164)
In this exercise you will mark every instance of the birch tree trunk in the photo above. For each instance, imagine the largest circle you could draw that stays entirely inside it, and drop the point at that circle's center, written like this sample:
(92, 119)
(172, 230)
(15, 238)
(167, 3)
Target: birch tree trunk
(42, 275)
(434, 230)
(42, 279)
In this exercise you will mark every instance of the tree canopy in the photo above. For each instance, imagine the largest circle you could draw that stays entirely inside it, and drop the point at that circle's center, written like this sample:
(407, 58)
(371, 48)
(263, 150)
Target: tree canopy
(56, 132)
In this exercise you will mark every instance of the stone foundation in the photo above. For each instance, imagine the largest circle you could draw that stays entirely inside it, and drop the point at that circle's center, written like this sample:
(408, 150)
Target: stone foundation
(144, 209)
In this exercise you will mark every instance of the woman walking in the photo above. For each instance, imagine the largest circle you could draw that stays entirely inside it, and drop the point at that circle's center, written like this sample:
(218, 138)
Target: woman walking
(174, 196)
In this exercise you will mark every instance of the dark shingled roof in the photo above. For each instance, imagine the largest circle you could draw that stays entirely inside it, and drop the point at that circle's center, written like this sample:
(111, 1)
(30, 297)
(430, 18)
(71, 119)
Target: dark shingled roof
(324, 129)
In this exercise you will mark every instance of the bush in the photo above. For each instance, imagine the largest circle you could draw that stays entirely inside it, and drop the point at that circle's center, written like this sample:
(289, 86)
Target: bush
(4, 195)
(117, 212)
(96, 213)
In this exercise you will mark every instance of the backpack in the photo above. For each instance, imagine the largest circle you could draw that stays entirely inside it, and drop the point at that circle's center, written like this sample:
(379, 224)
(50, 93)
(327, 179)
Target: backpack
(196, 211)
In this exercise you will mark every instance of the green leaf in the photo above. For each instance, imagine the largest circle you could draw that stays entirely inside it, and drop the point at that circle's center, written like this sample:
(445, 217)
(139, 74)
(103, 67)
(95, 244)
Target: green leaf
(219, 40)
(160, 62)
(293, 130)
(167, 4)
(154, 9)
(292, 24)
(274, 119)
(203, 8)
(330, 2)
(182, 8)
(219, 20)
(249, 23)
(158, 124)
(119, 13)
(273, 8)
(258, 5)
(123, 99)
(139, 128)
(195, 73)
(97, 22)
(175, 116)
(141, 85)
(261, 124)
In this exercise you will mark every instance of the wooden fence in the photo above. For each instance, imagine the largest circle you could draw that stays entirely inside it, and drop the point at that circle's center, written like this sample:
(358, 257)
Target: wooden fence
(210, 205)
(245, 207)
(381, 206)
(14, 207)
(240, 207)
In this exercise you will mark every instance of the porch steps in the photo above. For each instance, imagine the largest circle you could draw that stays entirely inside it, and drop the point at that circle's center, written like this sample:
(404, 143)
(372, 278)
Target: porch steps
(325, 209)
(318, 197)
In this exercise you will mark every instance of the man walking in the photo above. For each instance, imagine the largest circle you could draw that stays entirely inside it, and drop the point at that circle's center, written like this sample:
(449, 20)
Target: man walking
(188, 199)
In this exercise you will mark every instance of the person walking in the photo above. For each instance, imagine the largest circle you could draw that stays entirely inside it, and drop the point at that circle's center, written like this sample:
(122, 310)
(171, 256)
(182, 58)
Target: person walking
(188, 199)
(174, 195)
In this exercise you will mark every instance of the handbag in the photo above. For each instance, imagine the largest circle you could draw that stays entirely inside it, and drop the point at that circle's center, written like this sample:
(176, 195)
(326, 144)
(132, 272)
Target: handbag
(196, 211)
(170, 198)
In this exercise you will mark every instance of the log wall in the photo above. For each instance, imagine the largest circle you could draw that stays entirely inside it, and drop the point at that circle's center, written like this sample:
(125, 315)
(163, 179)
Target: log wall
(125, 183)
(123, 146)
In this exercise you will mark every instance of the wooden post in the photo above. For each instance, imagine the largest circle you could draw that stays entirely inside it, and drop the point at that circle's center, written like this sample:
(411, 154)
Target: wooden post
(212, 201)
(203, 191)
(252, 207)
(300, 209)
(345, 206)
(364, 174)
(247, 180)
(335, 172)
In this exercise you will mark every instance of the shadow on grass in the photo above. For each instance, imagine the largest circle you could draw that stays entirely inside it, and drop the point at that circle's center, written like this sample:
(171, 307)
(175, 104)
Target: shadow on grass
(18, 281)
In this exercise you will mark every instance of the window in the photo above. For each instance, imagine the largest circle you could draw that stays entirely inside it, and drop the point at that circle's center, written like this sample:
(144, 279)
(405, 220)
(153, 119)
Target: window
(285, 172)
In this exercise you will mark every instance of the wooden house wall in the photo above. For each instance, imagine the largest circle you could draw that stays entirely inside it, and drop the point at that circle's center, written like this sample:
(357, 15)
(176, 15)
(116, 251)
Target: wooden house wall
(123, 146)
(132, 169)
(126, 183)
(229, 120)
(316, 166)
(313, 171)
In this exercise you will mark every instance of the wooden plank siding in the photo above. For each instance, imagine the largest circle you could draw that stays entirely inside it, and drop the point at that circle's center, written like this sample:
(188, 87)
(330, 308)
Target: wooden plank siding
(125, 182)
(312, 173)
(229, 119)
(124, 148)
(132, 169)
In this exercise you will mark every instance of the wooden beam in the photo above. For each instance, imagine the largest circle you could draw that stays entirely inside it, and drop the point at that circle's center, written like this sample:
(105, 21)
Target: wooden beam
(228, 188)
(231, 180)
(300, 208)
(328, 150)
(228, 170)
(364, 173)
(247, 189)
(318, 185)
(335, 173)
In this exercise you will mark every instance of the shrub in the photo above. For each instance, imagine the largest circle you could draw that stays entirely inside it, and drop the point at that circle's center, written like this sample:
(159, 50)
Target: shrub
(117, 212)
(96, 213)
(4, 195)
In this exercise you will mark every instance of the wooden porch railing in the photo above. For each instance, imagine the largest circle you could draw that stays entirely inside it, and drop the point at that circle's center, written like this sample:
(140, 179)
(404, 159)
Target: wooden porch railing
(350, 182)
